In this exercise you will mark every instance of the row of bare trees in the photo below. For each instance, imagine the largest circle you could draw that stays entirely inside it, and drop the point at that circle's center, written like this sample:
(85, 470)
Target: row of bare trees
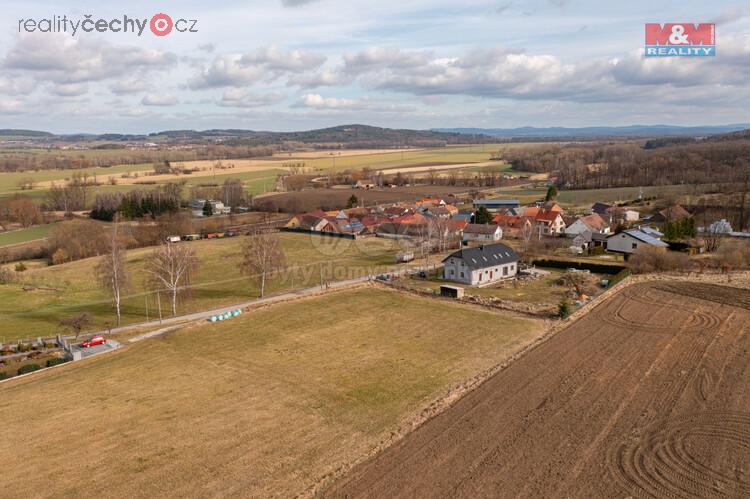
(171, 267)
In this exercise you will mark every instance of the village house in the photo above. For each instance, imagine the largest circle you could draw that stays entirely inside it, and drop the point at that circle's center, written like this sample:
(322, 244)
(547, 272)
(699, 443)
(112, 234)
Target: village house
(481, 265)
(669, 214)
(618, 215)
(482, 232)
(591, 223)
(630, 241)
(438, 212)
(549, 223)
(601, 208)
(217, 207)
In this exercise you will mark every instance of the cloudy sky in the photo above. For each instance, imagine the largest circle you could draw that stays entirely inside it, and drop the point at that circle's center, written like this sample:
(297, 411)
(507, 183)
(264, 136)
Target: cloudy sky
(301, 64)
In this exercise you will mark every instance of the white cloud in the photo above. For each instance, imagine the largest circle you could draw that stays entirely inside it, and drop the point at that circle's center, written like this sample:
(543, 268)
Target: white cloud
(63, 59)
(128, 86)
(264, 64)
(237, 97)
(319, 102)
(159, 100)
(70, 89)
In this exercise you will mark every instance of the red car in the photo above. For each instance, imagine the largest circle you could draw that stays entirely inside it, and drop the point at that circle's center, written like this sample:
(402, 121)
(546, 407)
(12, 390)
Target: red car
(96, 340)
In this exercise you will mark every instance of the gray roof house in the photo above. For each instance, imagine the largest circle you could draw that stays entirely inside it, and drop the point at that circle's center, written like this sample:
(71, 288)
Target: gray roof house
(481, 265)
(630, 240)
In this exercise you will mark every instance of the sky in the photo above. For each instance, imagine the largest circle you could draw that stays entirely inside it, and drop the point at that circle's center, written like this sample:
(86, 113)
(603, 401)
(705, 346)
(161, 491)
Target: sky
(286, 65)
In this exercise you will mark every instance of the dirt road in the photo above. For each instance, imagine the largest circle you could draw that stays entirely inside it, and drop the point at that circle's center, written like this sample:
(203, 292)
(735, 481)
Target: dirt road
(647, 396)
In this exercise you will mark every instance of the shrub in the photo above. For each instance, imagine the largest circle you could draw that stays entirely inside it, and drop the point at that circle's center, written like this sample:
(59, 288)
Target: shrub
(56, 361)
(20, 267)
(6, 276)
(28, 368)
(563, 309)
(4, 375)
(651, 259)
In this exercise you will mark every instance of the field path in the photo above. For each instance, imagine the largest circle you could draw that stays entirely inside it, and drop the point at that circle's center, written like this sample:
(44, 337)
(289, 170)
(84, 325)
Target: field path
(645, 396)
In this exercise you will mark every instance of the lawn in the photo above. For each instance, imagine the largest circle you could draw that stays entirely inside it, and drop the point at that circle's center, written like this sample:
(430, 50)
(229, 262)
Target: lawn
(34, 306)
(263, 405)
(24, 235)
(543, 290)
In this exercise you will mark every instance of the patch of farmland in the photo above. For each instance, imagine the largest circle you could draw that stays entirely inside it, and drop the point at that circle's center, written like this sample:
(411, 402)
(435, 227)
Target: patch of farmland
(646, 396)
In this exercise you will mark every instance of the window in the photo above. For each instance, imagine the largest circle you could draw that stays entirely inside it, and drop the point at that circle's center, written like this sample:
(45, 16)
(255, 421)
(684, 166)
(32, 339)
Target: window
(461, 274)
(635, 245)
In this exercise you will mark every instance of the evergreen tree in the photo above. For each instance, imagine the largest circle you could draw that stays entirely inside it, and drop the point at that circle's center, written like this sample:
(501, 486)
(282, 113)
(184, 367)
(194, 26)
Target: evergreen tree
(482, 216)
(208, 209)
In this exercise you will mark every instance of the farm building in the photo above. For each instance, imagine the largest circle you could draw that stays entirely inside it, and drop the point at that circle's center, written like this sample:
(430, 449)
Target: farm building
(481, 265)
(496, 204)
(630, 240)
(482, 232)
(451, 291)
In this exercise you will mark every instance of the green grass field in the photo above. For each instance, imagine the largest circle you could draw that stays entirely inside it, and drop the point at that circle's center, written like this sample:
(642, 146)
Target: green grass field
(263, 405)
(34, 306)
(586, 197)
(24, 235)
(256, 180)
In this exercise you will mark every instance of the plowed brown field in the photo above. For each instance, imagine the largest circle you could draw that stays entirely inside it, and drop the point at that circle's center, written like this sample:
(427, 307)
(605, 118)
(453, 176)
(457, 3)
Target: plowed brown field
(648, 395)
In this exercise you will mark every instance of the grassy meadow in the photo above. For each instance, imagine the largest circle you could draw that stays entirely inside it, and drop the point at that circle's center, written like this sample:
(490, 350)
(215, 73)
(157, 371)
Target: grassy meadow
(34, 306)
(263, 405)
(24, 235)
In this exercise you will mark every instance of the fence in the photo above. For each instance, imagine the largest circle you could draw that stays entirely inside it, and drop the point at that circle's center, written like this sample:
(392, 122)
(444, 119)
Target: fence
(597, 268)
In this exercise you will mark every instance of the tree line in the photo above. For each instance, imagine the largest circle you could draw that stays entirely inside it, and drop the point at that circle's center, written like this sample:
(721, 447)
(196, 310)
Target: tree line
(587, 166)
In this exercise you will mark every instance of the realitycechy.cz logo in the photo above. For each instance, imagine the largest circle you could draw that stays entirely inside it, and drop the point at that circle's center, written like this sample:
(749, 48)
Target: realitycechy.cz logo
(680, 39)
(160, 24)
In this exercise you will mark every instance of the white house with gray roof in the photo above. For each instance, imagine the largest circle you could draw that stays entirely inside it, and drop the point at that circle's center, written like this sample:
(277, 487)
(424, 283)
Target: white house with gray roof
(629, 241)
(481, 265)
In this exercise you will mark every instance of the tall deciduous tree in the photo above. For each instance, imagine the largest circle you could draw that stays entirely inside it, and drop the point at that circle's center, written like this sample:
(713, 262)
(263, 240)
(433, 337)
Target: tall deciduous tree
(262, 257)
(112, 272)
(171, 267)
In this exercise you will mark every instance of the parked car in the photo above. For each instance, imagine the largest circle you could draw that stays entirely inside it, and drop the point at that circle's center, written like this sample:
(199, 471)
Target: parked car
(96, 340)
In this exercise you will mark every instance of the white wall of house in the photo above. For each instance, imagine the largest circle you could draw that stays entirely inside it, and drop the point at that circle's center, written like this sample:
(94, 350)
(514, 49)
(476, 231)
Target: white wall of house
(624, 243)
(456, 270)
(495, 236)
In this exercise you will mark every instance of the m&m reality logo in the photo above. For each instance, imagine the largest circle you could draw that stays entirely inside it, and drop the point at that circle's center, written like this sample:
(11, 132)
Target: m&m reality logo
(683, 39)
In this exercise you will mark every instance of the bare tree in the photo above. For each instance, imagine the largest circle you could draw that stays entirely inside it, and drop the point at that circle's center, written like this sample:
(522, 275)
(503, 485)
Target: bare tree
(111, 271)
(262, 256)
(78, 322)
(171, 267)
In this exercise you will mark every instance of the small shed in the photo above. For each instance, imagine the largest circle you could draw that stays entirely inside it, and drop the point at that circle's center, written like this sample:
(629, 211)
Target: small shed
(451, 291)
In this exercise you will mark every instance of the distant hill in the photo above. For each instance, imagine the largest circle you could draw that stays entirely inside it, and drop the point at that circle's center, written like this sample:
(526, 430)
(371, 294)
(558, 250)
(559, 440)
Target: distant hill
(604, 131)
(10, 132)
(740, 135)
(340, 136)
(364, 136)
